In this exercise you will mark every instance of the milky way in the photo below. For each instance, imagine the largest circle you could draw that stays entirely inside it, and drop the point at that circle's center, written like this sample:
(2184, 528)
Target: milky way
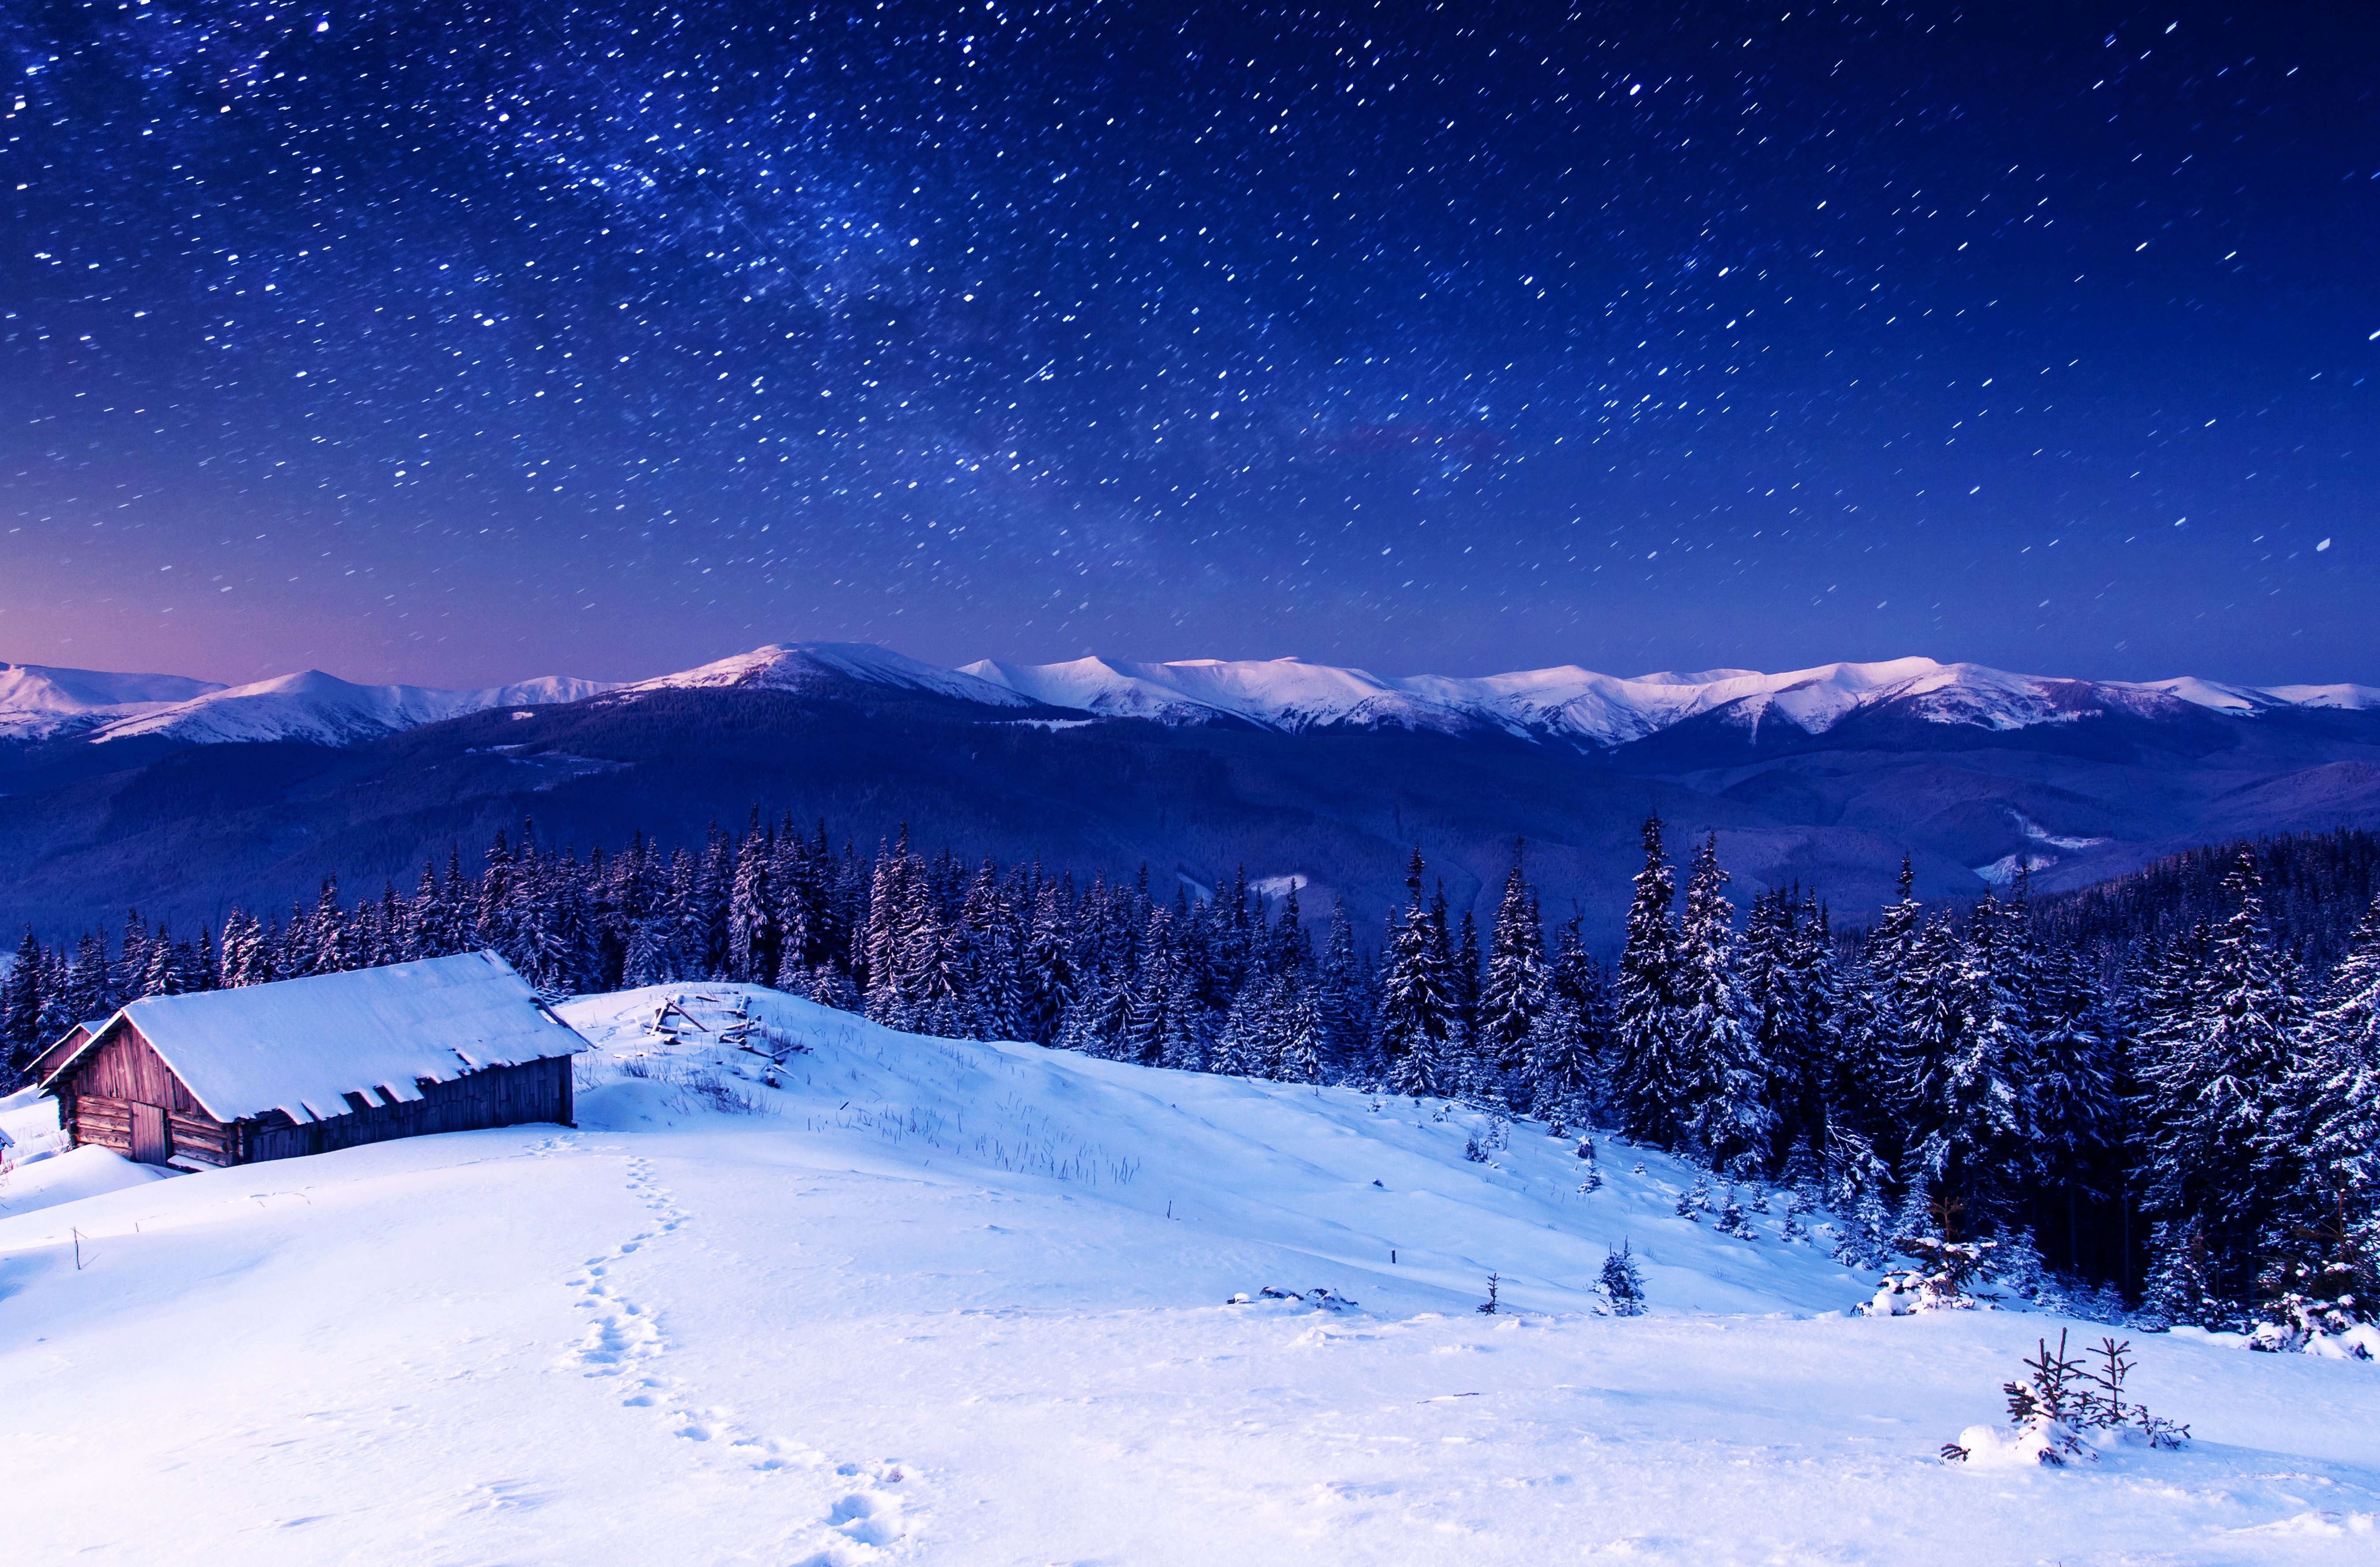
(466, 342)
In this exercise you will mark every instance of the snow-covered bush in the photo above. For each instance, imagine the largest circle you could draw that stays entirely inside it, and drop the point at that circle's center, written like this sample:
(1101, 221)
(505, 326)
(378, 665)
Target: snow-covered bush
(1590, 1173)
(2064, 1410)
(1321, 1297)
(1731, 1219)
(1621, 1286)
(1940, 1277)
(1696, 1199)
(2321, 1307)
(2017, 1267)
(1859, 1240)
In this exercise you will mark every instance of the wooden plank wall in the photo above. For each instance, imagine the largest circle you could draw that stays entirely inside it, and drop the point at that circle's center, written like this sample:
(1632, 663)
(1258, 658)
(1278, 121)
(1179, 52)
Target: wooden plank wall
(501, 1096)
(95, 1103)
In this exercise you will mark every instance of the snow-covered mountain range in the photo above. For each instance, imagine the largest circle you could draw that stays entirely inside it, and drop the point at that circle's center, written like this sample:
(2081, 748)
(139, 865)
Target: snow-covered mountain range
(1563, 704)
(1603, 709)
(37, 702)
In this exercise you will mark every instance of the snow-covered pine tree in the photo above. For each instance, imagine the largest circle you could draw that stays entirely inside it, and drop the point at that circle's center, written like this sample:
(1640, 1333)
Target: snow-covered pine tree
(2329, 1148)
(1293, 949)
(329, 935)
(1966, 1052)
(1560, 1069)
(2321, 1153)
(1722, 1106)
(1513, 992)
(1645, 1082)
(131, 960)
(85, 995)
(1416, 1001)
(22, 998)
(1464, 977)
(1864, 1087)
(753, 937)
(168, 974)
(1769, 980)
(1303, 1055)
(2072, 1082)
(1862, 1236)
(1580, 1015)
(1621, 1283)
(2213, 1091)
(1049, 979)
(1788, 966)
(1245, 1046)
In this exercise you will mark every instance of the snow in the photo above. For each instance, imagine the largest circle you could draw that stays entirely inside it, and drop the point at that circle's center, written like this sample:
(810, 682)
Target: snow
(326, 711)
(934, 1301)
(37, 702)
(37, 1169)
(1565, 702)
(70, 1177)
(2247, 701)
(298, 1045)
(1578, 704)
(801, 666)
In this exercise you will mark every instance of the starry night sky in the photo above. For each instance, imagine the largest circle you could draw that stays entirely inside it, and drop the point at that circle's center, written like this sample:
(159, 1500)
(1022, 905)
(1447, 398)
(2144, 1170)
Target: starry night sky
(461, 342)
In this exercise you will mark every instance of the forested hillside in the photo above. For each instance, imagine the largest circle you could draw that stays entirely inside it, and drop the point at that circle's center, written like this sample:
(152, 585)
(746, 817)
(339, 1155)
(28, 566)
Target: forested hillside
(2146, 1085)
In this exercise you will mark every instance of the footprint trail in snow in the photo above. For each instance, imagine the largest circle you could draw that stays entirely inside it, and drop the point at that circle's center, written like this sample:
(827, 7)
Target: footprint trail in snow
(625, 1340)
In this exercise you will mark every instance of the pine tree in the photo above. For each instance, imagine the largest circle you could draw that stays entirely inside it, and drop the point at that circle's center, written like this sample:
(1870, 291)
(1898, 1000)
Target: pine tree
(1049, 979)
(1865, 1080)
(22, 998)
(86, 996)
(1303, 1055)
(1622, 1283)
(1966, 1048)
(2213, 1092)
(2332, 1099)
(1720, 1080)
(1417, 1013)
(2321, 1155)
(1514, 993)
(1339, 1000)
(1646, 1083)
(753, 937)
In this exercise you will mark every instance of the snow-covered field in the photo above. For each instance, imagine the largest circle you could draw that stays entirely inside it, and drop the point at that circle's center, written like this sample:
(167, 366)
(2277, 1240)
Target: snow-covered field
(960, 1303)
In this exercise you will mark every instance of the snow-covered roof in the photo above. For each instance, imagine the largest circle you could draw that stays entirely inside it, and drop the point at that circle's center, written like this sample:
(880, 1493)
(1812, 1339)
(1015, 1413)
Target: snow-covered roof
(300, 1045)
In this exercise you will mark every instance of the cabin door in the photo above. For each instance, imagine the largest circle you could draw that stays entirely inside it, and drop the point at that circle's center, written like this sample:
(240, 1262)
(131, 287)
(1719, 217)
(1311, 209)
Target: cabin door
(149, 1144)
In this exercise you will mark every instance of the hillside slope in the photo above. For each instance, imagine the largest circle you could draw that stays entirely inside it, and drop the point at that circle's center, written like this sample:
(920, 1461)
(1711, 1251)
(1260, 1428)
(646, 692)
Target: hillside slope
(944, 1302)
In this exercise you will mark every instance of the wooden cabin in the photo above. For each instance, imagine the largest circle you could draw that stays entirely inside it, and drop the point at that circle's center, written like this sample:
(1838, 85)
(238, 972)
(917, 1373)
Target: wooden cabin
(304, 1066)
(58, 1050)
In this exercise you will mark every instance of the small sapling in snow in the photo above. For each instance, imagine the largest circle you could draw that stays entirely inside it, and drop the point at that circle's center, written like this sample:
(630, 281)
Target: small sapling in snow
(1941, 1277)
(1488, 1307)
(1623, 1287)
(2061, 1405)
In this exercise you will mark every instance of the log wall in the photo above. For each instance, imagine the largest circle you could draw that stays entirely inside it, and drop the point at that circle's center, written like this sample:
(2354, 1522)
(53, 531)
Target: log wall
(501, 1096)
(95, 1103)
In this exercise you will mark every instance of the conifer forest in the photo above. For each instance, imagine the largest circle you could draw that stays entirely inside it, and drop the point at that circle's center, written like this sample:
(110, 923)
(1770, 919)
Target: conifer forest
(2156, 1086)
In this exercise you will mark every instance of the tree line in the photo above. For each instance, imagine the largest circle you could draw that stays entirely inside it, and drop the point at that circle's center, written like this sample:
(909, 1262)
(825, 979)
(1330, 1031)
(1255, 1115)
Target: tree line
(2189, 1113)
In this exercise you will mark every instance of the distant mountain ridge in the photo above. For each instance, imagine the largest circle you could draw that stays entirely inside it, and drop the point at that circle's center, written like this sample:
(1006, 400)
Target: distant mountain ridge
(180, 797)
(1566, 704)
(43, 703)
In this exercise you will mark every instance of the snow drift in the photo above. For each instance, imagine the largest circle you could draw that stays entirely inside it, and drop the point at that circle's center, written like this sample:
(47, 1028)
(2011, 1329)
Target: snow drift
(801, 1290)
